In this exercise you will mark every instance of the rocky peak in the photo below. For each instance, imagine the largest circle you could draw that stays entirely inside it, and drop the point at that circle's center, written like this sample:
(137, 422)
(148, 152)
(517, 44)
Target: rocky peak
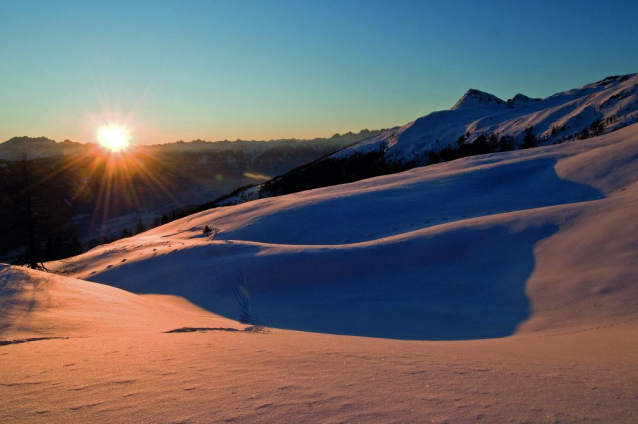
(477, 99)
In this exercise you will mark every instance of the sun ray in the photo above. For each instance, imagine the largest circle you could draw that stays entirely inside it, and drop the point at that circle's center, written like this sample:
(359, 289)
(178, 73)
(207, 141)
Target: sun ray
(154, 182)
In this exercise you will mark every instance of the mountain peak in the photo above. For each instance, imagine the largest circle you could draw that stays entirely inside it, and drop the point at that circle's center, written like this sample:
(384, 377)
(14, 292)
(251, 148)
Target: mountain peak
(521, 100)
(477, 99)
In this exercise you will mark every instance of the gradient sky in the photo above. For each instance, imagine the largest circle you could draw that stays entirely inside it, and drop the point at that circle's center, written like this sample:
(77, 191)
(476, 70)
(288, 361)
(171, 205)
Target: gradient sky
(219, 70)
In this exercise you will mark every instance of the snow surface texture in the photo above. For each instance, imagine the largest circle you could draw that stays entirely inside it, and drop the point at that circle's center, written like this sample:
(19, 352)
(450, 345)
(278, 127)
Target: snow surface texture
(533, 252)
(553, 118)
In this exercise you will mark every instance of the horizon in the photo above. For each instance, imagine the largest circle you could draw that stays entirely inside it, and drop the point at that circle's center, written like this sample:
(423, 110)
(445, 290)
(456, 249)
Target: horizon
(199, 139)
(253, 71)
(96, 142)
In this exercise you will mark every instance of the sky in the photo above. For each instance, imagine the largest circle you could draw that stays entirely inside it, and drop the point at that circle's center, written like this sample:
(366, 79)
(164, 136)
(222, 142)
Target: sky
(215, 70)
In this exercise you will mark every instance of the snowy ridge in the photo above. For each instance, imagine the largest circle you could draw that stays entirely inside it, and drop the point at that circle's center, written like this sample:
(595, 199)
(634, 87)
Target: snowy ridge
(478, 99)
(612, 101)
(521, 100)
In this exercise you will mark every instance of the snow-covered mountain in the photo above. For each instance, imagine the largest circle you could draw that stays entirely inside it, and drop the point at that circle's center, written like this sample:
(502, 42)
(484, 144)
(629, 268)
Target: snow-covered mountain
(479, 123)
(613, 102)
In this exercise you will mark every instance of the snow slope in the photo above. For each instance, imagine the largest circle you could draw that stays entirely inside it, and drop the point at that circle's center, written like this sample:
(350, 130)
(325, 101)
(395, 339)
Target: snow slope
(614, 101)
(437, 253)
(288, 376)
(521, 265)
(39, 304)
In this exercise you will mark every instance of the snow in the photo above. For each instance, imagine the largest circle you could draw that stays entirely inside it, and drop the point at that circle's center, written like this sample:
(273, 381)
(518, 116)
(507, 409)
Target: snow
(245, 195)
(479, 99)
(498, 287)
(477, 113)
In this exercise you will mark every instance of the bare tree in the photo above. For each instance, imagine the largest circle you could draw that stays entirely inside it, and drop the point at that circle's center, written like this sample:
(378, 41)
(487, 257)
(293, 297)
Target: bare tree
(32, 256)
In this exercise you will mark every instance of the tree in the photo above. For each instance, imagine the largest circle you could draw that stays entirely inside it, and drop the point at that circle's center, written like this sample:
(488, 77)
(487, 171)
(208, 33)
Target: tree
(32, 256)
(140, 227)
(76, 246)
(529, 140)
(207, 230)
(584, 134)
(35, 219)
(597, 127)
(432, 157)
(156, 222)
(506, 143)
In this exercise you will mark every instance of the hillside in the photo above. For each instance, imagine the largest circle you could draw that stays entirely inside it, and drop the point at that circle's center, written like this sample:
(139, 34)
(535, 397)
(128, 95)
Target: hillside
(513, 274)
(402, 237)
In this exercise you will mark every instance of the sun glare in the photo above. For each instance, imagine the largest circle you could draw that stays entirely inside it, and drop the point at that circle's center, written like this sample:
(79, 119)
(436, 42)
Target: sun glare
(114, 137)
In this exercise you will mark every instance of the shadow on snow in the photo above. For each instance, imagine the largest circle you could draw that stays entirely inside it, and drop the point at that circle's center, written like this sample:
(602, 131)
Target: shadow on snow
(462, 283)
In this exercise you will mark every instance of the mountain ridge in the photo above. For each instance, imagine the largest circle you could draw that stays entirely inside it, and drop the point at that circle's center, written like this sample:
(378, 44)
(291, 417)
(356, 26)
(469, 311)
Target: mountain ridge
(473, 98)
(479, 123)
(44, 147)
(559, 117)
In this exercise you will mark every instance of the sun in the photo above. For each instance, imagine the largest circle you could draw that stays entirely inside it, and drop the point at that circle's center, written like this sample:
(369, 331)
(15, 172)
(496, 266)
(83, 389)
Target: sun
(114, 137)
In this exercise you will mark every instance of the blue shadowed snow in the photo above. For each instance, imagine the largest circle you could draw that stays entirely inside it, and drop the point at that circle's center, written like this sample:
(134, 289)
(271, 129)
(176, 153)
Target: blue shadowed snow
(369, 213)
(374, 258)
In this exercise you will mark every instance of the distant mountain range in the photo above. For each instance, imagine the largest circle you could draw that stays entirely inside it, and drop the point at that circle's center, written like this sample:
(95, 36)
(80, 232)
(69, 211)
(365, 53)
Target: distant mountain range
(43, 147)
(479, 123)
(40, 147)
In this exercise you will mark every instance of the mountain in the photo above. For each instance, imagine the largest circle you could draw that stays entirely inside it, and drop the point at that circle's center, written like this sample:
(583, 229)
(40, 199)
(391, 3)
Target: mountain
(39, 147)
(478, 100)
(612, 102)
(479, 123)
(513, 273)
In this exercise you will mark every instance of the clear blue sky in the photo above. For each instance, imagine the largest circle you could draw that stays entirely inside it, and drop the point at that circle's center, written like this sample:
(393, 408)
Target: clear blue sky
(272, 69)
